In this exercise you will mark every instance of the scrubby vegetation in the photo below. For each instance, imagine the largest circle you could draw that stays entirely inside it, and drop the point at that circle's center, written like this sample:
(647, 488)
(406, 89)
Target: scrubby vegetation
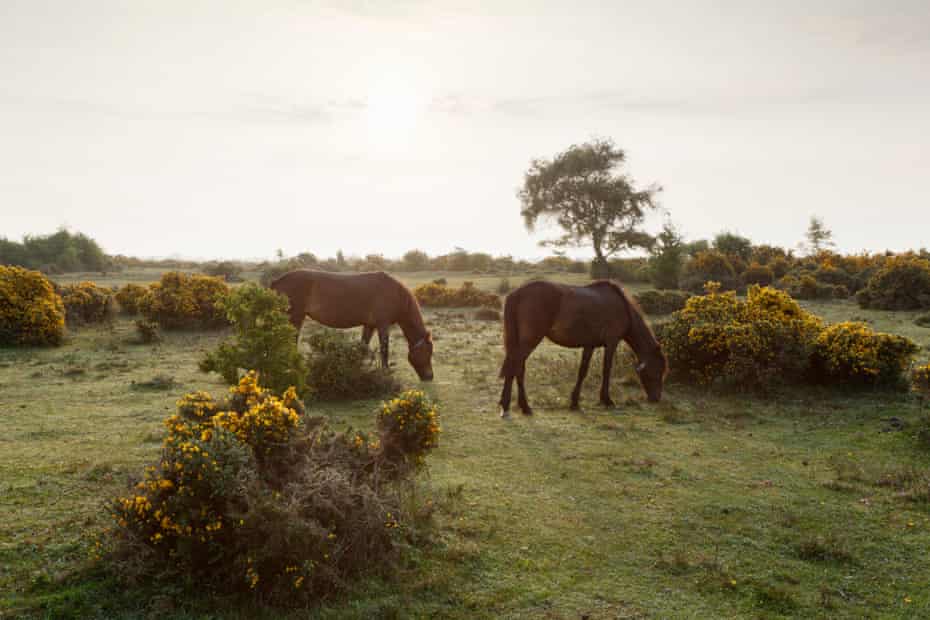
(265, 341)
(853, 353)
(901, 283)
(86, 303)
(661, 302)
(31, 312)
(60, 252)
(708, 266)
(768, 339)
(435, 295)
(182, 301)
(762, 341)
(130, 297)
(250, 495)
(341, 367)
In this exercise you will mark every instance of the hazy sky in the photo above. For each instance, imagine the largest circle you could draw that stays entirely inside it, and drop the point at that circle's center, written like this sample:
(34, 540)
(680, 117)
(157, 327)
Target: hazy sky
(231, 129)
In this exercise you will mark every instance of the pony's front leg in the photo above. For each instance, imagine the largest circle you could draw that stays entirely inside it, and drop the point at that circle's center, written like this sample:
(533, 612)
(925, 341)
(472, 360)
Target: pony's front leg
(384, 335)
(609, 351)
(506, 395)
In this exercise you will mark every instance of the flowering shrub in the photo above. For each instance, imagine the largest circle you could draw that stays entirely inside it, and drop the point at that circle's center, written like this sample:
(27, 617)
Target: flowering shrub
(708, 266)
(661, 302)
(180, 300)
(265, 340)
(86, 302)
(753, 343)
(339, 367)
(920, 379)
(411, 422)
(901, 283)
(252, 495)
(852, 353)
(758, 274)
(130, 297)
(440, 295)
(147, 331)
(31, 312)
(806, 286)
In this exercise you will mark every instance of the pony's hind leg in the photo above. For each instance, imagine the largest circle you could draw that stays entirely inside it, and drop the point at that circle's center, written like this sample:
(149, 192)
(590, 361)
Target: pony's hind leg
(506, 395)
(582, 373)
(521, 392)
(384, 336)
(609, 351)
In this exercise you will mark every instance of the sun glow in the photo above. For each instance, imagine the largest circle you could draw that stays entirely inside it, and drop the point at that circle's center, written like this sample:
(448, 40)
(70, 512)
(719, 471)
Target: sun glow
(395, 106)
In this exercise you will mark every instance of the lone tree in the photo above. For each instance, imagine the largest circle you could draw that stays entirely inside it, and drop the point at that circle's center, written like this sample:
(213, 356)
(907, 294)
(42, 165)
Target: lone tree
(818, 237)
(668, 256)
(583, 191)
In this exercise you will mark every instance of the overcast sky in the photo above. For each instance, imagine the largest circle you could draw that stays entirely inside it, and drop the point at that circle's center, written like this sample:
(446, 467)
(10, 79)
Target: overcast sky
(220, 129)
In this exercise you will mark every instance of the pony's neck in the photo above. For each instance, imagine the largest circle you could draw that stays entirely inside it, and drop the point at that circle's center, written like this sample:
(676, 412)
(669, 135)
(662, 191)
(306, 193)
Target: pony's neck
(639, 336)
(411, 324)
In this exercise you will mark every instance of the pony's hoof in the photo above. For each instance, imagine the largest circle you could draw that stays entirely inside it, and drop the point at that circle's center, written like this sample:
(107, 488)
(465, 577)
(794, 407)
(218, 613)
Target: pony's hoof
(505, 415)
(526, 411)
(608, 403)
(574, 407)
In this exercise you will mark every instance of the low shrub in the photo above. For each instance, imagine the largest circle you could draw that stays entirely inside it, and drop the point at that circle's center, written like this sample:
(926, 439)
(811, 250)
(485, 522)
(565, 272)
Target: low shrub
(252, 495)
(147, 331)
(806, 286)
(31, 312)
(442, 296)
(87, 303)
(852, 353)
(129, 298)
(755, 343)
(757, 274)
(920, 379)
(182, 301)
(340, 367)
(901, 283)
(708, 266)
(923, 320)
(265, 340)
(661, 302)
(488, 314)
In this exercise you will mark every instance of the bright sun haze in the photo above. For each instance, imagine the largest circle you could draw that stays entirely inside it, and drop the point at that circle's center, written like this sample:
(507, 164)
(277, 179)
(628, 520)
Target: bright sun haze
(381, 127)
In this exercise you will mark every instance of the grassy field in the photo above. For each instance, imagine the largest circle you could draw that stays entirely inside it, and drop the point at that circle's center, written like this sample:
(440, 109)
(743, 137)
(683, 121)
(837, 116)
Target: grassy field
(808, 503)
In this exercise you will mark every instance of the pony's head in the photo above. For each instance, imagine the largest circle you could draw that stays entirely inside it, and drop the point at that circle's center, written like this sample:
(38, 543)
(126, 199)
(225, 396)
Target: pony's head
(421, 357)
(652, 369)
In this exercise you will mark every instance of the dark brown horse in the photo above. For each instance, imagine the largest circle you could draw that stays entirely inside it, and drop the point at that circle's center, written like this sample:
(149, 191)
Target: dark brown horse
(373, 300)
(597, 315)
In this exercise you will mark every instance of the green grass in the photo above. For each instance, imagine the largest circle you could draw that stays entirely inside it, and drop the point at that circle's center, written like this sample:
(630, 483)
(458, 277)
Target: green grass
(703, 506)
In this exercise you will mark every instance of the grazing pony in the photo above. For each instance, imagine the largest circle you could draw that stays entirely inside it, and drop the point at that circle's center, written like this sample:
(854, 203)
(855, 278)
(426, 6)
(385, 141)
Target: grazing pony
(596, 315)
(373, 300)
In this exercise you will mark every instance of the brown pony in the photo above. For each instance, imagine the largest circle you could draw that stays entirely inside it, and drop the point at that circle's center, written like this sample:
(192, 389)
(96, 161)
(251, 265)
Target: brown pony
(597, 315)
(372, 300)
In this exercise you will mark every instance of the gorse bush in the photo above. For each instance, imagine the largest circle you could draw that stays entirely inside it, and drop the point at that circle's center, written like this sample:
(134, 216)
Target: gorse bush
(440, 295)
(901, 283)
(87, 303)
(852, 353)
(129, 298)
(661, 302)
(757, 274)
(340, 367)
(251, 495)
(708, 266)
(182, 301)
(806, 286)
(147, 331)
(764, 340)
(31, 312)
(920, 379)
(265, 340)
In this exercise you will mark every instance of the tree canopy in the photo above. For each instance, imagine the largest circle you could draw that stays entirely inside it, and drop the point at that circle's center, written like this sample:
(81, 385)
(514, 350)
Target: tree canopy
(583, 190)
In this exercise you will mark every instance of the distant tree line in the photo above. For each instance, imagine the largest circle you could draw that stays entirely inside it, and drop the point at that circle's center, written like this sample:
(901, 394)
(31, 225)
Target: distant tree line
(59, 252)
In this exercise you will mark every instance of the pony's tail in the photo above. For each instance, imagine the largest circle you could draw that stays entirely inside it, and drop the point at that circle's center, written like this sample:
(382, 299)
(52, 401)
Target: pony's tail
(511, 336)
